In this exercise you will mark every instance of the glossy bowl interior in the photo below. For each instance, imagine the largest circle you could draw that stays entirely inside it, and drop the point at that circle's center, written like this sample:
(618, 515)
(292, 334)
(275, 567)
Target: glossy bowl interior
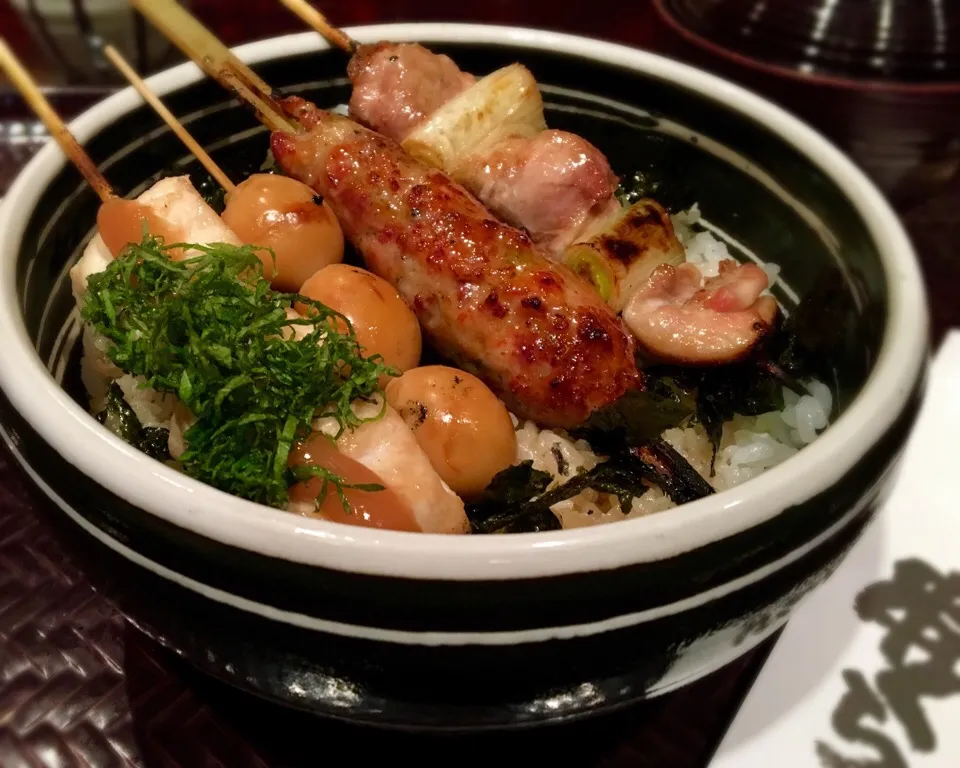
(765, 182)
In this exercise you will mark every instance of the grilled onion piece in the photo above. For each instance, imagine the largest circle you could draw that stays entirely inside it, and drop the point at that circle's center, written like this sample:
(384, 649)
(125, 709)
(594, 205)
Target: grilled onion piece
(620, 258)
(504, 104)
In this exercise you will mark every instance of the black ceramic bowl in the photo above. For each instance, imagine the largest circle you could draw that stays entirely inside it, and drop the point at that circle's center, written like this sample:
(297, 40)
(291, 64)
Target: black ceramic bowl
(419, 630)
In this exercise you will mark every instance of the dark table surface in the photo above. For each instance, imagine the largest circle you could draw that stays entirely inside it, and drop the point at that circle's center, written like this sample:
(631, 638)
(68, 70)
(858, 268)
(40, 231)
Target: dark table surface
(79, 687)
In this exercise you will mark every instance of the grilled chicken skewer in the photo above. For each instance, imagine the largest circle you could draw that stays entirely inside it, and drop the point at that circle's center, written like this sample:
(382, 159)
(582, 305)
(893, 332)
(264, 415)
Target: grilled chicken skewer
(172, 208)
(484, 295)
(490, 135)
(383, 451)
(619, 256)
(543, 340)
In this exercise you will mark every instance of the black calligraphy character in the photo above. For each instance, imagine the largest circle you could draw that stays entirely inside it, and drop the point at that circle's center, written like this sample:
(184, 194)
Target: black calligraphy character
(858, 703)
(920, 609)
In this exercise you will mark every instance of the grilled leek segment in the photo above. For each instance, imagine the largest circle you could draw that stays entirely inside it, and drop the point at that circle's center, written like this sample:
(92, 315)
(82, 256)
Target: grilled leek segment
(504, 104)
(623, 251)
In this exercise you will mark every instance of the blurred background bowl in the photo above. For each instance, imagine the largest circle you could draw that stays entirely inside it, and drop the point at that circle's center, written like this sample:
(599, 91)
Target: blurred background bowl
(881, 78)
(70, 35)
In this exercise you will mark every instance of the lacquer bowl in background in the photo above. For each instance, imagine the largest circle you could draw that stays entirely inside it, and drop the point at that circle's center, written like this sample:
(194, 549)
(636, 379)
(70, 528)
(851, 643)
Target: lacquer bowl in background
(879, 77)
(425, 631)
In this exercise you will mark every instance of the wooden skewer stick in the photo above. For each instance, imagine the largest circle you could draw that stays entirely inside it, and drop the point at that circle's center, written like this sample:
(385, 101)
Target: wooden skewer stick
(58, 129)
(214, 58)
(313, 18)
(175, 125)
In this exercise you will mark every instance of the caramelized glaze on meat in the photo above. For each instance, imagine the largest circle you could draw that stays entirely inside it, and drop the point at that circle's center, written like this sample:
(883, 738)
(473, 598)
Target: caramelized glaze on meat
(485, 296)
(396, 85)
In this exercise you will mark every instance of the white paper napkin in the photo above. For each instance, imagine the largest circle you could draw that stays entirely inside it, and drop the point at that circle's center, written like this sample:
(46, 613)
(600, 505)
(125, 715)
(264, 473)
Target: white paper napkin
(867, 673)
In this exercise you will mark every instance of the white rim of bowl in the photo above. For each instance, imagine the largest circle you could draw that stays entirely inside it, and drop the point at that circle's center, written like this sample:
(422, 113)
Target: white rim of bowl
(199, 508)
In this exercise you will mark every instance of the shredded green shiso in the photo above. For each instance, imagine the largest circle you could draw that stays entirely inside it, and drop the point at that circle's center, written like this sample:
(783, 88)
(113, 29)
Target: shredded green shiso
(211, 331)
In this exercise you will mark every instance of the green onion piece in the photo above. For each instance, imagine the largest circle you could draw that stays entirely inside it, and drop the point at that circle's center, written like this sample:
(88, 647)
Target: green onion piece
(591, 267)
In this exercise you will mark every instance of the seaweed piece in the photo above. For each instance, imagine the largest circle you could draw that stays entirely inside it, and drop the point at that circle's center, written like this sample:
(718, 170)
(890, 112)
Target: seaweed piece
(153, 441)
(517, 500)
(506, 505)
(637, 186)
(676, 396)
(640, 415)
(666, 468)
(518, 483)
(662, 171)
(622, 477)
(117, 416)
(743, 389)
(531, 518)
(772, 369)
(563, 466)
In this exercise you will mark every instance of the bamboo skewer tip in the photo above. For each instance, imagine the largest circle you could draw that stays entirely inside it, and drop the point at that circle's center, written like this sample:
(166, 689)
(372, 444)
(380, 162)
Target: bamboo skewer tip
(116, 58)
(314, 18)
(35, 99)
